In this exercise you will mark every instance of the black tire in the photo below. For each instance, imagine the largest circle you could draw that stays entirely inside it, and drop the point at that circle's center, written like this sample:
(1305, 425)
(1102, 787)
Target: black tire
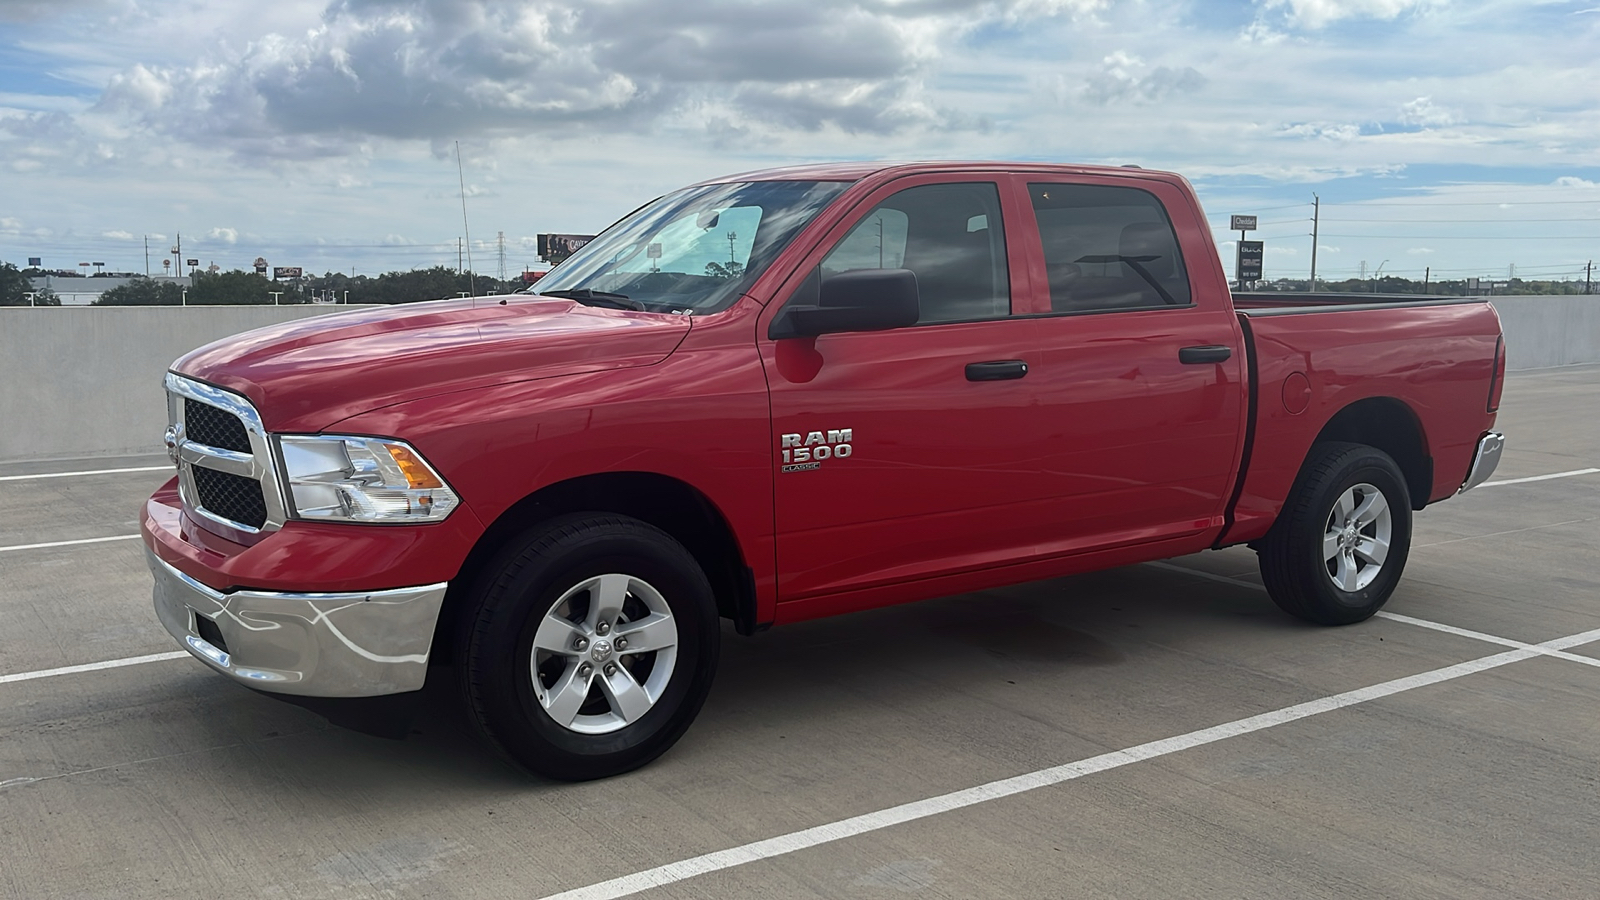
(497, 657)
(1298, 575)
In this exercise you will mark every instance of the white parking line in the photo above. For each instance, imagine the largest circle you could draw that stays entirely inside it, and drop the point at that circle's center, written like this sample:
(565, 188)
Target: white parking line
(1543, 478)
(167, 468)
(95, 666)
(1493, 639)
(682, 870)
(1540, 477)
(99, 540)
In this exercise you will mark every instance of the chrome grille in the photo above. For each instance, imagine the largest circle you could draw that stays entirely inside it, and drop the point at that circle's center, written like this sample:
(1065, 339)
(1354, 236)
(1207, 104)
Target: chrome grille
(214, 427)
(232, 497)
(226, 474)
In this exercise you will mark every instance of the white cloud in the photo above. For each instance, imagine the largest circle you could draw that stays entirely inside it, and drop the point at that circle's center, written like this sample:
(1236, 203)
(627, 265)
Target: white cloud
(1424, 112)
(1573, 181)
(118, 235)
(9, 225)
(225, 235)
(1124, 79)
(1419, 251)
(1314, 14)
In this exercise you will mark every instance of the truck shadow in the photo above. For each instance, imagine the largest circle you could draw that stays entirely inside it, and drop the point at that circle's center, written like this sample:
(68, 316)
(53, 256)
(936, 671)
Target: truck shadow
(1043, 630)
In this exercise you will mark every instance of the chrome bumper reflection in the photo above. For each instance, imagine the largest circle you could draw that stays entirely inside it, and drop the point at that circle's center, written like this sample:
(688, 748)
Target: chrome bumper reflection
(320, 645)
(1484, 461)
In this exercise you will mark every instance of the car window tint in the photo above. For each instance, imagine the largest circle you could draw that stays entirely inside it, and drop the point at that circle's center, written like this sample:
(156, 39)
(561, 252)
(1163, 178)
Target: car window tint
(949, 235)
(1108, 248)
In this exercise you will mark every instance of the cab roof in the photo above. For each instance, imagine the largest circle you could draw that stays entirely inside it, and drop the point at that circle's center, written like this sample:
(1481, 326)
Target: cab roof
(857, 170)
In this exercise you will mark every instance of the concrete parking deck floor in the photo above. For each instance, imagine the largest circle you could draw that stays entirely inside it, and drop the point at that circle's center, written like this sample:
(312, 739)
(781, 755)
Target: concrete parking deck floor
(1422, 778)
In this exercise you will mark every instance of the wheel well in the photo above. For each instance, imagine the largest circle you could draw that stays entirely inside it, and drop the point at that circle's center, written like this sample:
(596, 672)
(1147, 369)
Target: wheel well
(1390, 426)
(667, 503)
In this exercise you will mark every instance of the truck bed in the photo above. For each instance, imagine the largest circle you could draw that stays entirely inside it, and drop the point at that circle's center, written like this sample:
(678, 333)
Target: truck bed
(1400, 361)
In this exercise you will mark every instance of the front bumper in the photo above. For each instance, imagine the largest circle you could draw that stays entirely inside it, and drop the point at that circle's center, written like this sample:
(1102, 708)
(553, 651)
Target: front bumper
(358, 644)
(1484, 460)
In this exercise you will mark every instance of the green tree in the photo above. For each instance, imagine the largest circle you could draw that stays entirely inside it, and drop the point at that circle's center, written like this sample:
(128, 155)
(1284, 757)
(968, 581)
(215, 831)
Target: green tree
(46, 297)
(238, 288)
(14, 286)
(439, 282)
(142, 291)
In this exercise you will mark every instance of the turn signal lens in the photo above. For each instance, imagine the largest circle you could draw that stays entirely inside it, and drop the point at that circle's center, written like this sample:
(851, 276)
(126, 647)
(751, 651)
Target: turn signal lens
(415, 470)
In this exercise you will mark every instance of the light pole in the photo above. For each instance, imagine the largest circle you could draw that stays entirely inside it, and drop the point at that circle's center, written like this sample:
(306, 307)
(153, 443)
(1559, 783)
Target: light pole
(1376, 274)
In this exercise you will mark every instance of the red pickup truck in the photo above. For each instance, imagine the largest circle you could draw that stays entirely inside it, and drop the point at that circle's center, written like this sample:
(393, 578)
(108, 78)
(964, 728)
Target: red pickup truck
(782, 395)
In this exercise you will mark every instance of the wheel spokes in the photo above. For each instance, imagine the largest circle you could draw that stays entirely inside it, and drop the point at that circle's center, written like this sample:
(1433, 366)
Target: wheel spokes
(1372, 549)
(564, 700)
(605, 601)
(628, 700)
(1330, 544)
(1345, 506)
(1347, 572)
(1370, 509)
(654, 632)
(557, 635)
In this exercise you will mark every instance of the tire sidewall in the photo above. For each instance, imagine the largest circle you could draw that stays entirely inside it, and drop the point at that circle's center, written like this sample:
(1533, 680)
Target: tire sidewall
(499, 660)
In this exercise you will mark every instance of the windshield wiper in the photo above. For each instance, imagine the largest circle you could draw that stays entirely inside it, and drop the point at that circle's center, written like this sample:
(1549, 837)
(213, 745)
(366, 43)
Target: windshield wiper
(596, 298)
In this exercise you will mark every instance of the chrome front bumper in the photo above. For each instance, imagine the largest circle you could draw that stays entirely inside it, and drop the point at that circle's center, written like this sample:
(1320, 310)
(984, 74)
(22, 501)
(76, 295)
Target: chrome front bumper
(1484, 461)
(319, 645)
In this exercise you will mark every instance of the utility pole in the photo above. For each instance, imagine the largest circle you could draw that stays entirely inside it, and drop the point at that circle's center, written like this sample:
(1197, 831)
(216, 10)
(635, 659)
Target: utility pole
(1316, 214)
(458, 256)
(1426, 272)
(147, 256)
(1588, 273)
(502, 242)
(178, 262)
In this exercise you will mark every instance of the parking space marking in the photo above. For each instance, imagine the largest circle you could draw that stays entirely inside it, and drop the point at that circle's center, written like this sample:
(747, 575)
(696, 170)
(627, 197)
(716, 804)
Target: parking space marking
(671, 873)
(1403, 619)
(1540, 477)
(1490, 638)
(167, 468)
(95, 666)
(98, 540)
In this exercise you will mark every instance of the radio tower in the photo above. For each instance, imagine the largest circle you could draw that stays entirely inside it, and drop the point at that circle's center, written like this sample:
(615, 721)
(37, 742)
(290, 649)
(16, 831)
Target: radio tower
(502, 273)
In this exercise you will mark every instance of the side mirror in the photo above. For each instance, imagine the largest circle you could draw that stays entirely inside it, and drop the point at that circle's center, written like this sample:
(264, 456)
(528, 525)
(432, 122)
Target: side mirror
(857, 300)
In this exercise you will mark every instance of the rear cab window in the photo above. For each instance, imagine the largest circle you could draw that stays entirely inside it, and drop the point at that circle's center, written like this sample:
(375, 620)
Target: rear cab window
(1107, 249)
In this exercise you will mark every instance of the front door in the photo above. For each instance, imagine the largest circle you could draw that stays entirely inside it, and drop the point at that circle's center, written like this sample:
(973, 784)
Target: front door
(909, 453)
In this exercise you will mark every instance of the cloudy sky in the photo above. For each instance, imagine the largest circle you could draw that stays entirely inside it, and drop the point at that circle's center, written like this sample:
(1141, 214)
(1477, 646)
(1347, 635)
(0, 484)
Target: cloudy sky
(1461, 136)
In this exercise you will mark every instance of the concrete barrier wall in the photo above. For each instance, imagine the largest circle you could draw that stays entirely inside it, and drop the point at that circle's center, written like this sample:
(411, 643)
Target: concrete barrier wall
(1542, 332)
(87, 381)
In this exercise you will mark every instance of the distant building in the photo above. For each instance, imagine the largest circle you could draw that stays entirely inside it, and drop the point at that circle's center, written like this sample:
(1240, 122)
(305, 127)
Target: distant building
(83, 290)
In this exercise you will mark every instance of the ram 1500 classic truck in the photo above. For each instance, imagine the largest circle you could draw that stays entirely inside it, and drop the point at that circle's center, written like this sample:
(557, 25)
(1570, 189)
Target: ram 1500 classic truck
(782, 395)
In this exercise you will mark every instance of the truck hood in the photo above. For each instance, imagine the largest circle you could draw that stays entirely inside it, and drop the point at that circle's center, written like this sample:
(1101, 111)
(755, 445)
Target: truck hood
(307, 374)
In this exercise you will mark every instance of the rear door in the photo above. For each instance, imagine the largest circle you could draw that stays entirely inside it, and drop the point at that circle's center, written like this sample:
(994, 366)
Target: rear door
(1140, 376)
(894, 463)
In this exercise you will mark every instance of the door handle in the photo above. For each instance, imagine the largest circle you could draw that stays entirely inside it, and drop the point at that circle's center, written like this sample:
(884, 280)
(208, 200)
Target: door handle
(996, 370)
(1210, 353)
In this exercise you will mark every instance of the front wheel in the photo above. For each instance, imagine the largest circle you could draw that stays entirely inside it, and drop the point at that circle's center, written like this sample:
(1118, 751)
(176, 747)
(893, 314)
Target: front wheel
(591, 648)
(1337, 550)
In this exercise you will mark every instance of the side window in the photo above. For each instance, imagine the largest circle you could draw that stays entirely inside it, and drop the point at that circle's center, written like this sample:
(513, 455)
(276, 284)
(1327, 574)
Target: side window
(949, 235)
(1107, 248)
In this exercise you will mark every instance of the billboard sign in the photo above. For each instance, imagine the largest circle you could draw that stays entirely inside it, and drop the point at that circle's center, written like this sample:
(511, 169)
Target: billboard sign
(191, 262)
(35, 261)
(555, 248)
(1242, 223)
(261, 265)
(281, 272)
(1250, 253)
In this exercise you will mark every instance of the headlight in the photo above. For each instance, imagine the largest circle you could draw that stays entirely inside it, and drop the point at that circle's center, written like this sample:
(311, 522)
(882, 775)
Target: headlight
(359, 479)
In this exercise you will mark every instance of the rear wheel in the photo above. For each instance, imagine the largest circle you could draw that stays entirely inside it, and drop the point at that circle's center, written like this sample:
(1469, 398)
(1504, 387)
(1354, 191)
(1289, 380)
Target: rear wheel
(1340, 544)
(592, 647)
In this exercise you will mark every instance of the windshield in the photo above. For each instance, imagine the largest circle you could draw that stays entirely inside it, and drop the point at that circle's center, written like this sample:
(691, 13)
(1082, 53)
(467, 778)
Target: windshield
(693, 251)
